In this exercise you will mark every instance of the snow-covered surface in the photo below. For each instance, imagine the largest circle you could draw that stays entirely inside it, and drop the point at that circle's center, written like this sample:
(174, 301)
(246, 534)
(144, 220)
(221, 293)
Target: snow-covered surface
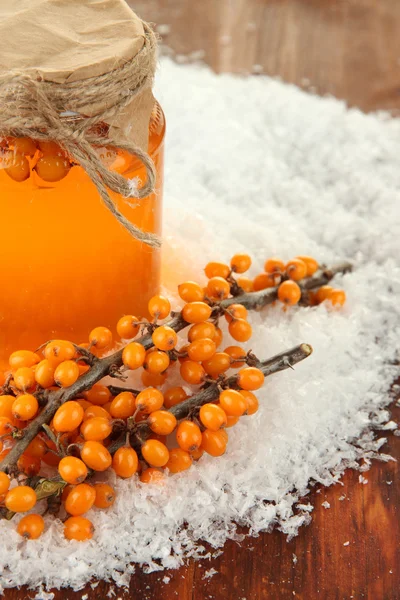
(256, 165)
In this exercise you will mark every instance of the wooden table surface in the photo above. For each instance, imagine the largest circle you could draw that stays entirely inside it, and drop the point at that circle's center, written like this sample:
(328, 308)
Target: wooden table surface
(351, 49)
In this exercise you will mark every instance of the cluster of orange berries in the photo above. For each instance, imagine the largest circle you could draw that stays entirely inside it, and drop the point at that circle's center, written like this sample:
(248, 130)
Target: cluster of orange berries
(83, 429)
(286, 275)
(80, 440)
(20, 156)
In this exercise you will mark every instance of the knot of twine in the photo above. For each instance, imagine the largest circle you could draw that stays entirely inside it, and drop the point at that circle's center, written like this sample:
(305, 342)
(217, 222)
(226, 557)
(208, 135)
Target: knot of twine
(42, 110)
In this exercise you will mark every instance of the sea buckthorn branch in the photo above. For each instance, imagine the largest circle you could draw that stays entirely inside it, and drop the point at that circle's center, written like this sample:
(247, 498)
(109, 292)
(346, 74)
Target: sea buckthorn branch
(275, 364)
(257, 300)
(111, 364)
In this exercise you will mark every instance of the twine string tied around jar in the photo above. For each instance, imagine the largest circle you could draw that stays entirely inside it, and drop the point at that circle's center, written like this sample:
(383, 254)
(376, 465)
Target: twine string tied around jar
(48, 111)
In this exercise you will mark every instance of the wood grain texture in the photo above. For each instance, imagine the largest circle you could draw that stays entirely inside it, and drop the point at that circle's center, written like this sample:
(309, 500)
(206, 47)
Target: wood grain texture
(347, 48)
(351, 49)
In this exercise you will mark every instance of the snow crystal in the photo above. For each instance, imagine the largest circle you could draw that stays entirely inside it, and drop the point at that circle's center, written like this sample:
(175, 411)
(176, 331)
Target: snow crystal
(256, 165)
(362, 479)
(326, 504)
(210, 573)
(166, 579)
(346, 544)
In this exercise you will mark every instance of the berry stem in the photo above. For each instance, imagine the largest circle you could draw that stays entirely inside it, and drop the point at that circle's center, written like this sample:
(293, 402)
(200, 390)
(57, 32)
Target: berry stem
(279, 362)
(110, 364)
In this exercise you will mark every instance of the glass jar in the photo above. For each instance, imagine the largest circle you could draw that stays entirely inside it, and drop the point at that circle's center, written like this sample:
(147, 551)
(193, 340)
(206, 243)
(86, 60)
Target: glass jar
(66, 264)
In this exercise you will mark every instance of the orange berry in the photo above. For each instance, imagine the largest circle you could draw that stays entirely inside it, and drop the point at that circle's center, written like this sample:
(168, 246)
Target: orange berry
(52, 168)
(323, 293)
(218, 337)
(274, 265)
(173, 396)
(190, 291)
(296, 269)
(44, 373)
(162, 422)
(101, 337)
(202, 349)
(252, 402)
(99, 395)
(216, 269)
(6, 426)
(240, 263)
(238, 356)
(164, 338)
(232, 403)
(201, 331)
(123, 405)
(23, 358)
(96, 456)
(240, 330)
(105, 495)
(212, 416)
(95, 411)
(197, 454)
(156, 361)
(159, 307)
(196, 312)
(265, 280)
(133, 355)
(50, 147)
(149, 400)
(236, 311)
(155, 453)
(153, 379)
(218, 364)
(250, 378)
(214, 442)
(20, 499)
(78, 528)
(24, 378)
(188, 436)
(73, 470)
(246, 284)
(6, 404)
(96, 428)
(125, 462)
(19, 169)
(24, 145)
(30, 465)
(57, 351)
(31, 527)
(289, 293)
(218, 288)
(66, 373)
(127, 327)
(68, 417)
(192, 372)
(37, 447)
(4, 483)
(337, 297)
(80, 499)
(311, 264)
(179, 460)
(152, 475)
(25, 407)
(231, 421)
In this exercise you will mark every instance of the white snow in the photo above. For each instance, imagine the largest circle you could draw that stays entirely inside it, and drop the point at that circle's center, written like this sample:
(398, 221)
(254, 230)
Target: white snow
(256, 165)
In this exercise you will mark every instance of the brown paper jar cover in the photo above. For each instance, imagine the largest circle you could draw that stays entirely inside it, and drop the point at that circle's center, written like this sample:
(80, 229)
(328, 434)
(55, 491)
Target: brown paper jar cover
(63, 41)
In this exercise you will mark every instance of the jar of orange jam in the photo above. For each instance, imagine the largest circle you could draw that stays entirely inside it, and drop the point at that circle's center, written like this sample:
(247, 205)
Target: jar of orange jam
(66, 264)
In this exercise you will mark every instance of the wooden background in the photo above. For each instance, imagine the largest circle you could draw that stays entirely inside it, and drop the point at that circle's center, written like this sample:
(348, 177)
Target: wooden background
(351, 49)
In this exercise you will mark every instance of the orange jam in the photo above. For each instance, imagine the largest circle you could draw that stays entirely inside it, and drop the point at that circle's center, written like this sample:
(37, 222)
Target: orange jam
(66, 264)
